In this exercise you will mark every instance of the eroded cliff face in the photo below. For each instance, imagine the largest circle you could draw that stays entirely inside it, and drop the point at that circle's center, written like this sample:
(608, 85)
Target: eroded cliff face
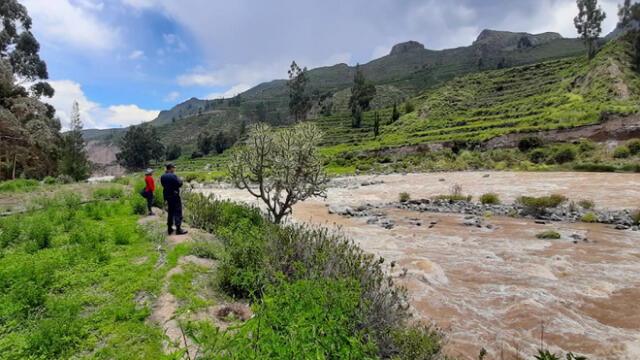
(103, 156)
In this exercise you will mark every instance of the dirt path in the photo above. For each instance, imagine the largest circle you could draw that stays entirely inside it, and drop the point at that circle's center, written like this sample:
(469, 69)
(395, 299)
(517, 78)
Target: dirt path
(164, 308)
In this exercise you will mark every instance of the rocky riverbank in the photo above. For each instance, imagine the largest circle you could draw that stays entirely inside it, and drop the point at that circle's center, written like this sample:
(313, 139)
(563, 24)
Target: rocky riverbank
(621, 219)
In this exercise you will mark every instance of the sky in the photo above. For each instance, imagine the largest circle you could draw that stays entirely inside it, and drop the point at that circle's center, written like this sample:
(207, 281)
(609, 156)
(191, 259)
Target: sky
(125, 60)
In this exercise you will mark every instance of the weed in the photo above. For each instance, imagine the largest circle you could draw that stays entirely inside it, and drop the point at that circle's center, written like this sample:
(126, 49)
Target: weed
(404, 197)
(490, 198)
(549, 234)
(621, 152)
(589, 217)
(587, 204)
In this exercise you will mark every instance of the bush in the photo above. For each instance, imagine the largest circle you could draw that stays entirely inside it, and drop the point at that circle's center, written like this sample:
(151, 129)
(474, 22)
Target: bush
(586, 145)
(538, 156)
(108, 193)
(549, 234)
(621, 152)
(404, 196)
(18, 185)
(593, 167)
(409, 107)
(65, 179)
(490, 198)
(589, 217)
(634, 146)
(529, 143)
(50, 180)
(417, 342)
(258, 254)
(139, 205)
(309, 317)
(564, 154)
(539, 205)
(587, 204)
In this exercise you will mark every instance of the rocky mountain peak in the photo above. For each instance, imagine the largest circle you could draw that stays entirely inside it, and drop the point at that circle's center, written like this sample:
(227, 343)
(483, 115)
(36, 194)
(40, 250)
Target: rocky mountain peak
(406, 47)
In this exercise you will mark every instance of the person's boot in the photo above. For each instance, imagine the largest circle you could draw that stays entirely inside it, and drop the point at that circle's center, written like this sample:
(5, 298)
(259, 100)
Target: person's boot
(181, 231)
(151, 212)
(170, 230)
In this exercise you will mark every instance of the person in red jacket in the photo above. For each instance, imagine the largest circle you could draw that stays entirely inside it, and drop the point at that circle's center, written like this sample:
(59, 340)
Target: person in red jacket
(149, 189)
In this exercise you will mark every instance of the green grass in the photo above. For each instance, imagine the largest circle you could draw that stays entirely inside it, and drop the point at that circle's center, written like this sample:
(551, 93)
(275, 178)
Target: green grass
(69, 280)
(18, 185)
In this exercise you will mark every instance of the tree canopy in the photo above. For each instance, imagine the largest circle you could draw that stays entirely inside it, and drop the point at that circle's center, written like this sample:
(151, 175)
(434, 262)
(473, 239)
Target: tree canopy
(299, 100)
(139, 146)
(280, 167)
(588, 22)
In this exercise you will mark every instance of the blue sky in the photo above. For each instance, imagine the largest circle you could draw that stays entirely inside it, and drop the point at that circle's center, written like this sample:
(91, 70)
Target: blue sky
(125, 60)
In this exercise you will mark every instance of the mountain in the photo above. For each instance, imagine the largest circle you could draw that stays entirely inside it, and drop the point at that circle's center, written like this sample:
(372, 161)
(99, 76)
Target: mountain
(554, 96)
(406, 71)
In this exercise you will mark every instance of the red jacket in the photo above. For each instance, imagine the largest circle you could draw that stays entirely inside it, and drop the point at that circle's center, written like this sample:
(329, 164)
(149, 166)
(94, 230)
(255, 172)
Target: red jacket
(150, 185)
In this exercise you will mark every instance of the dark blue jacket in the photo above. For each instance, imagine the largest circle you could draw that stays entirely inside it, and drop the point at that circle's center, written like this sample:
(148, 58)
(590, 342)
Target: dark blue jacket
(171, 184)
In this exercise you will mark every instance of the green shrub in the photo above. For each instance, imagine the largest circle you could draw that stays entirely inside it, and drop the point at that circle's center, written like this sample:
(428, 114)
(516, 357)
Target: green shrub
(634, 146)
(538, 156)
(587, 204)
(490, 198)
(539, 205)
(549, 234)
(621, 152)
(206, 248)
(564, 154)
(529, 143)
(65, 179)
(636, 217)
(409, 107)
(50, 180)
(417, 342)
(139, 205)
(589, 217)
(586, 146)
(108, 193)
(18, 185)
(404, 196)
(310, 317)
(592, 167)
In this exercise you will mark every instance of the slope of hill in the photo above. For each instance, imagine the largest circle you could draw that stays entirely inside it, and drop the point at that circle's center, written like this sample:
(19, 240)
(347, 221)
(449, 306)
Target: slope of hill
(405, 72)
(556, 94)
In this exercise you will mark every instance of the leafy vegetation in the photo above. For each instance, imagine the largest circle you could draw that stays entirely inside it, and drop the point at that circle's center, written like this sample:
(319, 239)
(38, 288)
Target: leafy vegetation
(280, 167)
(549, 234)
(306, 272)
(490, 199)
(539, 205)
(63, 271)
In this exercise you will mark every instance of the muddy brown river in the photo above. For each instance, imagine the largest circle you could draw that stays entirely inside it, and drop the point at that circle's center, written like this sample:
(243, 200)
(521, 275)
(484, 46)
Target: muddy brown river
(502, 288)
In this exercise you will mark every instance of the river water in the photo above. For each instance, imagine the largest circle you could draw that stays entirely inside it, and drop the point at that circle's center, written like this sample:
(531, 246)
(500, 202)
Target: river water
(502, 288)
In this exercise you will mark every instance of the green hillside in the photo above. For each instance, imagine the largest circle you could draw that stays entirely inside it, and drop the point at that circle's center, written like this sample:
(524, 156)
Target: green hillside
(554, 94)
(407, 71)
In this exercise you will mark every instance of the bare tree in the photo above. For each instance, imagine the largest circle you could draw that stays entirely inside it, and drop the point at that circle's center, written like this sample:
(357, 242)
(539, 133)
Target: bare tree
(280, 167)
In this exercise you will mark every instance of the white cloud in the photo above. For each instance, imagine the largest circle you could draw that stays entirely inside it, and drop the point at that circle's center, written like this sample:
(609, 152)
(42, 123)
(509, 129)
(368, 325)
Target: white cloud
(137, 54)
(140, 4)
(94, 115)
(233, 91)
(173, 96)
(125, 115)
(91, 5)
(174, 43)
(61, 22)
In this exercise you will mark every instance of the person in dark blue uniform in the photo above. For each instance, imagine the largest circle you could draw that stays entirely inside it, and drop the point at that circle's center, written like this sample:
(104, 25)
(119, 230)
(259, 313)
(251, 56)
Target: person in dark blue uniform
(172, 184)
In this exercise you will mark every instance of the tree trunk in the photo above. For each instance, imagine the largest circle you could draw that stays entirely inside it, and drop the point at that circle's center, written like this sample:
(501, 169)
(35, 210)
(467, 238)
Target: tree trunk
(13, 174)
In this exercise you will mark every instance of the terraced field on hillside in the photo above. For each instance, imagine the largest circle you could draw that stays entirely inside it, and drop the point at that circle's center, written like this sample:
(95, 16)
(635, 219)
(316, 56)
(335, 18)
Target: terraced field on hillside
(556, 94)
